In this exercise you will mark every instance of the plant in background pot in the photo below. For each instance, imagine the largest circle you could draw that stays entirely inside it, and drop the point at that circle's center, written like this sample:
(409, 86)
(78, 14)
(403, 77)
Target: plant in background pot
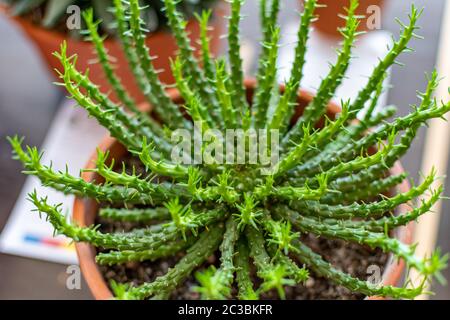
(158, 217)
(46, 23)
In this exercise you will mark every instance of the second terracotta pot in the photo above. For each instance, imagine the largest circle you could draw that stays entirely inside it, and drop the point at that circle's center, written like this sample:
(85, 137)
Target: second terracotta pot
(162, 45)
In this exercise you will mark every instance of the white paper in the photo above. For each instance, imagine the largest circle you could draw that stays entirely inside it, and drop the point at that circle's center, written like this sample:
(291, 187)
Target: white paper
(71, 140)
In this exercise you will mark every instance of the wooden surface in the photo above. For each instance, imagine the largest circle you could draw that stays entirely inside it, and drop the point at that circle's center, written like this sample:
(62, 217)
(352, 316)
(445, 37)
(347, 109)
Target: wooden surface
(28, 102)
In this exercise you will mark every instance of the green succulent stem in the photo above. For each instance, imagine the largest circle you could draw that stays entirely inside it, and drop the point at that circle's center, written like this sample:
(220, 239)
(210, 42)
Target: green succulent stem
(363, 210)
(330, 83)
(190, 64)
(135, 215)
(324, 269)
(378, 74)
(119, 257)
(102, 53)
(205, 246)
(167, 109)
(243, 276)
(266, 81)
(237, 74)
(363, 236)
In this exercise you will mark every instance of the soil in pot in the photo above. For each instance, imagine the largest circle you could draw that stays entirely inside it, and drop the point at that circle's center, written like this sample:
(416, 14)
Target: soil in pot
(349, 257)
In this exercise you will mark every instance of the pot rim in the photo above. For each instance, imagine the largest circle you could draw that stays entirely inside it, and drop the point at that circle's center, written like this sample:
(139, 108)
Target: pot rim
(86, 253)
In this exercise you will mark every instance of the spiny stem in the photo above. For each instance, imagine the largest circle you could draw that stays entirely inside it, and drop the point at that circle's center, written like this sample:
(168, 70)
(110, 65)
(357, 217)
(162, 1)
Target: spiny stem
(303, 193)
(166, 250)
(257, 249)
(97, 238)
(161, 167)
(307, 17)
(190, 64)
(324, 269)
(227, 249)
(268, 25)
(371, 210)
(237, 74)
(328, 86)
(166, 109)
(389, 223)
(379, 71)
(68, 184)
(194, 105)
(286, 106)
(204, 247)
(135, 215)
(104, 59)
(243, 277)
(216, 283)
(372, 239)
(266, 81)
(228, 108)
(352, 189)
(208, 64)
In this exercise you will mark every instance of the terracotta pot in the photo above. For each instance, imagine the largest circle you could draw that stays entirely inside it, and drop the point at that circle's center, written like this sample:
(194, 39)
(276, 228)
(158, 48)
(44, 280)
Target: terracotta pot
(329, 20)
(162, 45)
(85, 210)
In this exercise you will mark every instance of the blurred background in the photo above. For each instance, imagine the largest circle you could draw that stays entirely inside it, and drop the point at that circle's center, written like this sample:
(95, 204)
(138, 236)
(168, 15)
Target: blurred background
(29, 102)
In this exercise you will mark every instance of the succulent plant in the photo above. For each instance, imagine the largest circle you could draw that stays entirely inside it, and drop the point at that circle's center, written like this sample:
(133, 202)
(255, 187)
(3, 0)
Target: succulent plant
(331, 181)
(55, 11)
